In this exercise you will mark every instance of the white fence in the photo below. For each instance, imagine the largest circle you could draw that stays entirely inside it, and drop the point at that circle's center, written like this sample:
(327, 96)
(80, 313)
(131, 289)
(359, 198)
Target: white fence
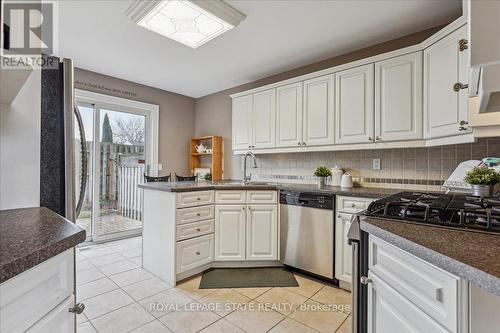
(130, 201)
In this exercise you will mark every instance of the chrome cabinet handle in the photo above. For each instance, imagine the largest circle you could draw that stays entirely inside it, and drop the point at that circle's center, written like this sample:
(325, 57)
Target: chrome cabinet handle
(198, 253)
(365, 280)
(370, 138)
(303, 143)
(198, 229)
(299, 144)
(377, 138)
(463, 122)
(461, 128)
(459, 86)
(198, 199)
(78, 308)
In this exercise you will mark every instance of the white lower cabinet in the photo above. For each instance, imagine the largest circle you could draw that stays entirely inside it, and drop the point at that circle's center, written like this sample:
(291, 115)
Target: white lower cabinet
(230, 232)
(388, 311)
(343, 251)
(408, 294)
(345, 208)
(194, 252)
(262, 232)
(59, 320)
(248, 231)
(34, 297)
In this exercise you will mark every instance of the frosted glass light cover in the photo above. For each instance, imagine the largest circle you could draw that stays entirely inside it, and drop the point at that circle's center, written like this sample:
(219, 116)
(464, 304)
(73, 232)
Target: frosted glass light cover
(184, 22)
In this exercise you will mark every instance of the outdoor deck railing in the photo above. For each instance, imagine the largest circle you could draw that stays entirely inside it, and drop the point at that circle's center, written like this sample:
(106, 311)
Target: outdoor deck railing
(130, 201)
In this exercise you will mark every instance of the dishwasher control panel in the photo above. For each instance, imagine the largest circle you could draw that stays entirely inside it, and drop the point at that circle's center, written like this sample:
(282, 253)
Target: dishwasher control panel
(307, 199)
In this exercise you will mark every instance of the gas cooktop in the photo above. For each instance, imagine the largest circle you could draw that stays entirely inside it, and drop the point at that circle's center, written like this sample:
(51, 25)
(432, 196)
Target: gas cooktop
(448, 210)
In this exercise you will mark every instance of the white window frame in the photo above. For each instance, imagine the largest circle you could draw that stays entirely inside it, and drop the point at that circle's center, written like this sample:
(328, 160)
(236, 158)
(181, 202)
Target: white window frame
(151, 113)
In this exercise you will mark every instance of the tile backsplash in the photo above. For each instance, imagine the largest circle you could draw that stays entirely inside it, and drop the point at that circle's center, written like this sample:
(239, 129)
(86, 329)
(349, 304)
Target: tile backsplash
(413, 168)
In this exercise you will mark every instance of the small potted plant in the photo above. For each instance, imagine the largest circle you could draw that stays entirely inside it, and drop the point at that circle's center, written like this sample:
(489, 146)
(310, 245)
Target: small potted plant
(482, 180)
(208, 176)
(322, 172)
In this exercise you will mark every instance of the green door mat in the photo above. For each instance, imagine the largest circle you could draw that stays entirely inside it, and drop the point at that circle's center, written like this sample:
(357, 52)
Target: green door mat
(247, 278)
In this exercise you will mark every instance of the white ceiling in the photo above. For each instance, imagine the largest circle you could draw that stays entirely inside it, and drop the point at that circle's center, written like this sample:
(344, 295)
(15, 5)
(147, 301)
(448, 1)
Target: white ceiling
(276, 36)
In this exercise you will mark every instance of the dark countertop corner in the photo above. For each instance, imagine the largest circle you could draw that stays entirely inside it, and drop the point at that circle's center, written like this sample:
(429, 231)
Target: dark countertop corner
(30, 236)
(471, 255)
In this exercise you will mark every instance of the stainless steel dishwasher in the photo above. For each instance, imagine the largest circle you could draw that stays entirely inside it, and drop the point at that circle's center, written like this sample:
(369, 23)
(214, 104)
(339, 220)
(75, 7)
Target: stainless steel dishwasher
(307, 233)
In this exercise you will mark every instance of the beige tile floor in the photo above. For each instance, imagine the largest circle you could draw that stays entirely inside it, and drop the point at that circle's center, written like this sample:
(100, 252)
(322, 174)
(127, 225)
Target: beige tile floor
(122, 297)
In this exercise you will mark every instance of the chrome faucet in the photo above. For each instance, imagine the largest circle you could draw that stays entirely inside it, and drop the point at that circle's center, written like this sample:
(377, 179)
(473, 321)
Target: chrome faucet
(245, 177)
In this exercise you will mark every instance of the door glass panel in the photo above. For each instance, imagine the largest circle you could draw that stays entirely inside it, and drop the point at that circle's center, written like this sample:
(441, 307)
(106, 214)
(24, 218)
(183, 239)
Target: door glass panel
(121, 169)
(85, 217)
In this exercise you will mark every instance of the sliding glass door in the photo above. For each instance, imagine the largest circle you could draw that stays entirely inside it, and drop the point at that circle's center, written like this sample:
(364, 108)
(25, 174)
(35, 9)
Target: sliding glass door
(121, 150)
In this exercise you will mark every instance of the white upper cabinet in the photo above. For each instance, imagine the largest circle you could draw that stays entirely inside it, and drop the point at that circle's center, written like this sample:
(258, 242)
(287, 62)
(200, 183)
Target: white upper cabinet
(318, 127)
(262, 232)
(264, 119)
(445, 81)
(354, 111)
(289, 115)
(398, 98)
(242, 122)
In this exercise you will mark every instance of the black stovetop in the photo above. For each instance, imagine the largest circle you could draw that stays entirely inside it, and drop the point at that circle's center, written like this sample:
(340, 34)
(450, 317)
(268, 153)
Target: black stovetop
(449, 210)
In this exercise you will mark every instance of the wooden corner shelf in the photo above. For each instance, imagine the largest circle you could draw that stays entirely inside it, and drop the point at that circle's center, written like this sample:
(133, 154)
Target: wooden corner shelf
(212, 142)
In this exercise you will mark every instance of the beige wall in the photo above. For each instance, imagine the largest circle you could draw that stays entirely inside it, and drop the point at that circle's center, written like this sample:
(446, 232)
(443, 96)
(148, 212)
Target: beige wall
(176, 116)
(213, 112)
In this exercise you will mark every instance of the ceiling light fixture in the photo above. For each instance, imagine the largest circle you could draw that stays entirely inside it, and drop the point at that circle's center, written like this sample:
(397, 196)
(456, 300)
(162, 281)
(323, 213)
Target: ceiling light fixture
(190, 22)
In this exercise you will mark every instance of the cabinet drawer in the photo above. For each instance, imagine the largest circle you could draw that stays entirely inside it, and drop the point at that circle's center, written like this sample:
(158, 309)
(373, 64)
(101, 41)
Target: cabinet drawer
(195, 229)
(187, 215)
(431, 289)
(197, 198)
(351, 204)
(28, 297)
(59, 320)
(262, 197)
(230, 197)
(195, 252)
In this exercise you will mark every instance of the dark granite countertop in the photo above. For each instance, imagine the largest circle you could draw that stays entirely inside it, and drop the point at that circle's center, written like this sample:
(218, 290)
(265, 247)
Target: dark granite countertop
(368, 192)
(471, 255)
(29, 236)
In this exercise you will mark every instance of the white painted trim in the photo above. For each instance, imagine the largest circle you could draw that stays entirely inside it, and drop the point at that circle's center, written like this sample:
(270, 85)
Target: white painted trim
(151, 111)
(451, 140)
(338, 147)
(383, 56)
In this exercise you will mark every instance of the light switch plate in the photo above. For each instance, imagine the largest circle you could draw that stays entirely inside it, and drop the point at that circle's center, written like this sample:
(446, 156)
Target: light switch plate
(376, 164)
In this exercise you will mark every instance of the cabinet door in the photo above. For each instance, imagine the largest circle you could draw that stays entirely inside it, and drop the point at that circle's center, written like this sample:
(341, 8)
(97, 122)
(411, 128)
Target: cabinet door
(242, 122)
(445, 65)
(262, 232)
(343, 251)
(318, 127)
(264, 119)
(289, 115)
(59, 320)
(354, 111)
(229, 232)
(398, 98)
(388, 311)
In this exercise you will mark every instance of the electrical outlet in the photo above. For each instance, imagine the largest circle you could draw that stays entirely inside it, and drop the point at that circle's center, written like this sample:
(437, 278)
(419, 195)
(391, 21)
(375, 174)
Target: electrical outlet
(376, 164)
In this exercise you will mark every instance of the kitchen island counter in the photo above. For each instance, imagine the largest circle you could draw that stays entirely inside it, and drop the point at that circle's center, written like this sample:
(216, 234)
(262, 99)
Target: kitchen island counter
(366, 192)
